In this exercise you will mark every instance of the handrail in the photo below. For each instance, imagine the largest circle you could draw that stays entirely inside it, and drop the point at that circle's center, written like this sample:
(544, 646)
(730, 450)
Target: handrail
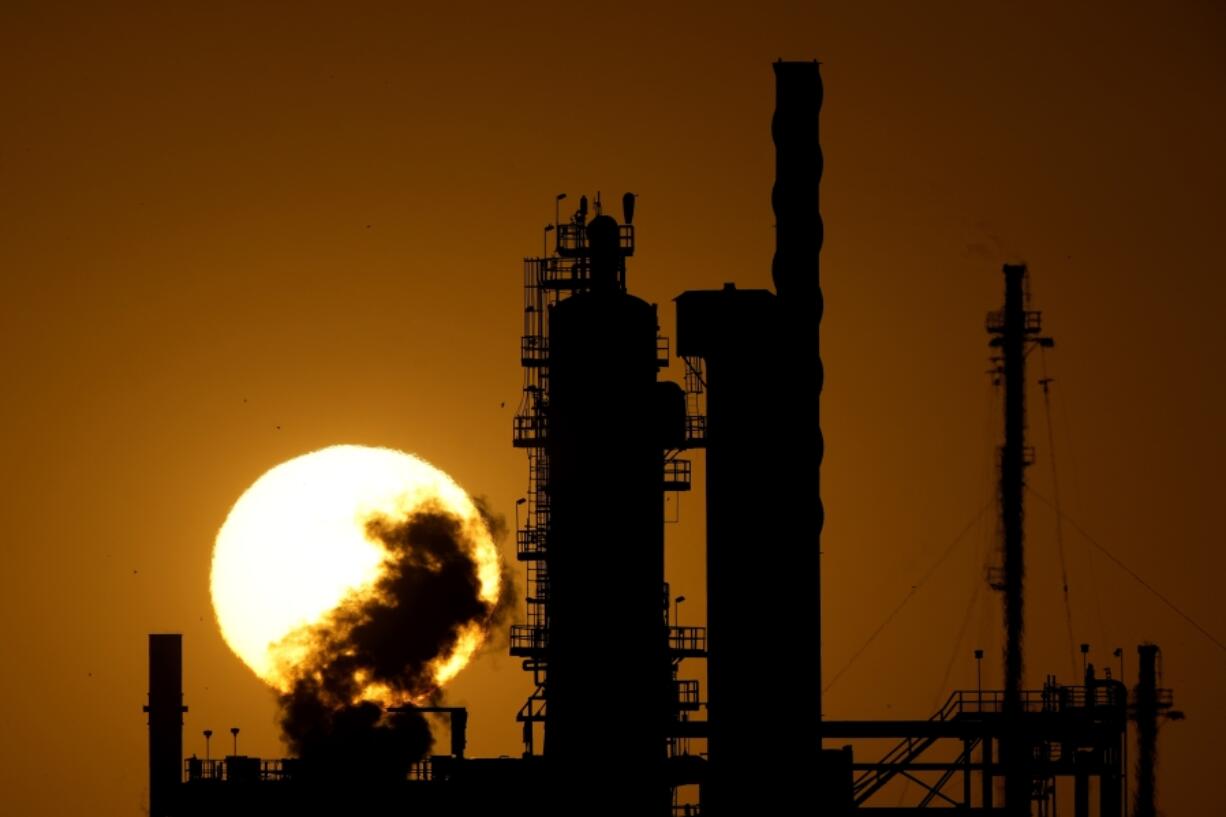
(687, 639)
(1048, 699)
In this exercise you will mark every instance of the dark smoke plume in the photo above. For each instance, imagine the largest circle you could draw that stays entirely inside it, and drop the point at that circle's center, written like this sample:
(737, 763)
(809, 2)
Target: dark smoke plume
(428, 594)
(496, 523)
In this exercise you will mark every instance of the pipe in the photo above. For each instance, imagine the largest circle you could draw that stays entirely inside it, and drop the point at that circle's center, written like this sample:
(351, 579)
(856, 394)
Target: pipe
(1145, 800)
(165, 710)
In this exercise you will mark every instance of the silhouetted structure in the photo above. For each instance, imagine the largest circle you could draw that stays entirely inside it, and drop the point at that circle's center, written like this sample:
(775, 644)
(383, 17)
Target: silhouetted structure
(605, 438)
(1147, 730)
(1014, 328)
(608, 424)
(1151, 703)
(1072, 731)
(602, 436)
(165, 710)
(761, 373)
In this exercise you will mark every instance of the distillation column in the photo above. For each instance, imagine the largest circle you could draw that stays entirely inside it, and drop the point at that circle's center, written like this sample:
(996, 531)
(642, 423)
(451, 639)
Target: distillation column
(609, 682)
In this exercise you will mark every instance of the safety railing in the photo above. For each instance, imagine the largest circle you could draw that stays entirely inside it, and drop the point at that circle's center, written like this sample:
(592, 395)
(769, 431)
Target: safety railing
(572, 239)
(529, 430)
(662, 349)
(687, 694)
(533, 350)
(1049, 699)
(687, 641)
(677, 475)
(1033, 321)
(527, 640)
(530, 544)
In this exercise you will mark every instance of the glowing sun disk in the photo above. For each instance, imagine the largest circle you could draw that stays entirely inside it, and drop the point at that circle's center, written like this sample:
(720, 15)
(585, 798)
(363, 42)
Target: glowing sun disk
(295, 546)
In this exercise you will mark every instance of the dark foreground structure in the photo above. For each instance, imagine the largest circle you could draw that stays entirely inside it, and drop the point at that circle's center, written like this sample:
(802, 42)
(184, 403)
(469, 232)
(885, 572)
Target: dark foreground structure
(613, 726)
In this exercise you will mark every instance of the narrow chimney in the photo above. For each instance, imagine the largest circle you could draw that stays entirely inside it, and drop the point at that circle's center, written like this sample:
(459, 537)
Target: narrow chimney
(165, 710)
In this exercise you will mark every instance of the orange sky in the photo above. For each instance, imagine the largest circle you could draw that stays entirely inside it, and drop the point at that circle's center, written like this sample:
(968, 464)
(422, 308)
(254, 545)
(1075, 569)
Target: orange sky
(229, 236)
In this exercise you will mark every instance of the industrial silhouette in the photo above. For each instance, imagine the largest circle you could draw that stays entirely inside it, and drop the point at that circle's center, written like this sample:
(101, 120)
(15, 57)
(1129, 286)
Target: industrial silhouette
(605, 438)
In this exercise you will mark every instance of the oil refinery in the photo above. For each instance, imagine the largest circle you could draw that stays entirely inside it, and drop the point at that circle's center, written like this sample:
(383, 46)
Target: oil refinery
(617, 721)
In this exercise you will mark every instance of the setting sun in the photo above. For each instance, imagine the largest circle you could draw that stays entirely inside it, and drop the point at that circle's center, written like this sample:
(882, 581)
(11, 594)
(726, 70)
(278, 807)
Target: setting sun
(299, 546)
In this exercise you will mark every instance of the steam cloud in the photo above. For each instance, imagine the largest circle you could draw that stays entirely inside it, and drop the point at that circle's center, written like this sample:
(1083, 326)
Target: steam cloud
(428, 595)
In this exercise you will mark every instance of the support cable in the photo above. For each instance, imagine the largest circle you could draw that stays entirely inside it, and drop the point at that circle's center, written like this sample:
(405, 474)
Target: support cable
(953, 656)
(1073, 524)
(1046, 382)
(910, 593)
(1071, 451)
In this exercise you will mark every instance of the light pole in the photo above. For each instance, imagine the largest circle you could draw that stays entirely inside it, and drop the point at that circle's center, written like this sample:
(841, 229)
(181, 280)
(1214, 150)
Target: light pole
(677, 610)
(208, 733)
(557, 201)
(1085, 650)
(545, 240)
(518, 502)
(234, 732)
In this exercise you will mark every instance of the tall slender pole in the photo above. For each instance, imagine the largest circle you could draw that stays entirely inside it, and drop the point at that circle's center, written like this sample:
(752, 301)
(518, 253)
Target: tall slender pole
(1011, 330)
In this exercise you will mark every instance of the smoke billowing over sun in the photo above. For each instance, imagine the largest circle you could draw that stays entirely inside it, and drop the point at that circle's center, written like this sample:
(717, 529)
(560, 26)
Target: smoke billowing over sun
(406, 586)
(390, 644)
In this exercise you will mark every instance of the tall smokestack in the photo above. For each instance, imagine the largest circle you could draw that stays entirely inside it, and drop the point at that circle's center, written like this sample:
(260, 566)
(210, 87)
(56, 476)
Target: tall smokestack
(165, 710)
(764, 512)
(1146, 702)
(796, 272)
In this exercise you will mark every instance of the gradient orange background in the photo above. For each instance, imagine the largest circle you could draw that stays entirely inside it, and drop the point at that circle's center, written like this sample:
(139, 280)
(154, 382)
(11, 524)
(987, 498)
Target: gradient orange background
(235, 232)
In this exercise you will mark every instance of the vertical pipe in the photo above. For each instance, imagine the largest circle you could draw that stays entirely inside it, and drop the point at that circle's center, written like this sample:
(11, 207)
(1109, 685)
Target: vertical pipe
(459, 731)
(1081, 794)
(165, 710)
(1113, 784)
(1110, 782)
(987, 780)
(758, 593)
(1145, 801)
(968, 750)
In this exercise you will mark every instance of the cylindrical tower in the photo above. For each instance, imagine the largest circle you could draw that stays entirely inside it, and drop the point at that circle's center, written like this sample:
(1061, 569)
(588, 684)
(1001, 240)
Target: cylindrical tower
(165, 710)
(764, 513)
(609, 681)
(799, 234)
(1146, 713)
